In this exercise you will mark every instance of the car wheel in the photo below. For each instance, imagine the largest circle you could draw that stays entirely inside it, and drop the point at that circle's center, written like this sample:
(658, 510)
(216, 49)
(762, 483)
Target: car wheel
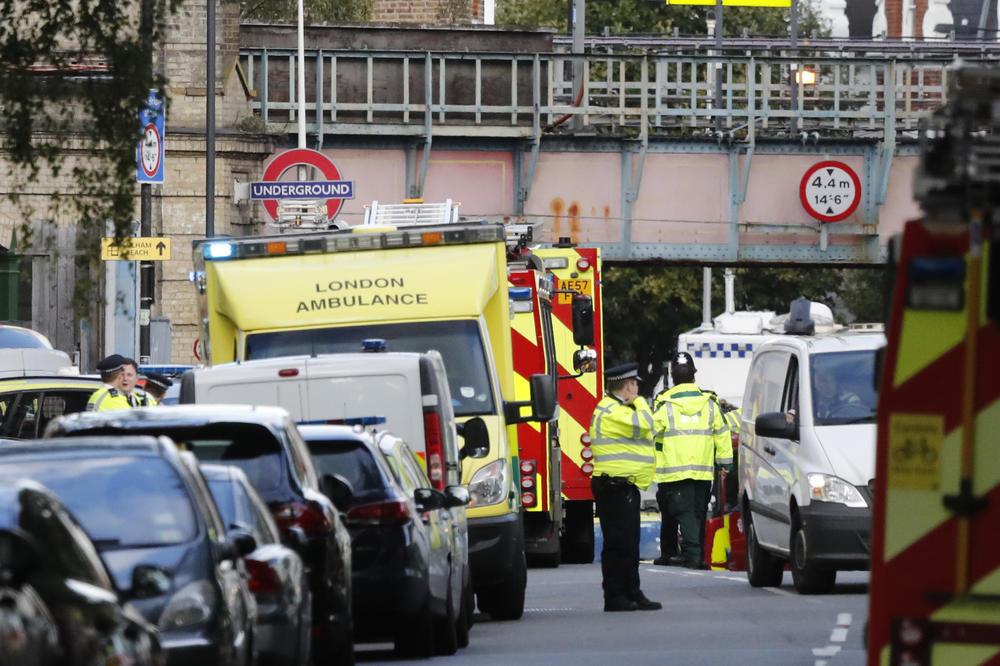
(445, 631)
(763, 568)
(545, 560)
(464, 621)
(415, 634)
(808, 577)
(302, 650)
(505, 600)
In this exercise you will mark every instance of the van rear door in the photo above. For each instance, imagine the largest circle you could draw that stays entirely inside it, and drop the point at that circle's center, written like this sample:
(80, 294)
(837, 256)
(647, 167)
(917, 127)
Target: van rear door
(276, 382)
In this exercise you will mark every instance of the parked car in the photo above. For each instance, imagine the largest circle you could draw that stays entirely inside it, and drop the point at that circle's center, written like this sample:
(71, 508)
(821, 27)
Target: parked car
(28, 404)
(57, 601)
(278, 578)
(411, 572)
(266, 445)
(150, 514)
(18, 337)
(807, 457)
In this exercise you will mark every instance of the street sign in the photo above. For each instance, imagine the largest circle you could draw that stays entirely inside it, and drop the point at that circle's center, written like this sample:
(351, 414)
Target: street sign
(734, 3)
(830, 191)
(151, 248)
(334, 190)
(150, 150)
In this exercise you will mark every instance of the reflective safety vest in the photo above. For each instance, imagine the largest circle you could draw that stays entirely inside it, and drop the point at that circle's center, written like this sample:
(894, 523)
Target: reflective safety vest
(621, 437)
(691, 435)
(139, 398)
(733, 420)
(107, 398)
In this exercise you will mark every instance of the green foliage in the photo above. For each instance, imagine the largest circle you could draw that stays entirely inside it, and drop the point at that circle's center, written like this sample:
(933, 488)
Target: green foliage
(647, 307)
(316, 11)
(646, 17)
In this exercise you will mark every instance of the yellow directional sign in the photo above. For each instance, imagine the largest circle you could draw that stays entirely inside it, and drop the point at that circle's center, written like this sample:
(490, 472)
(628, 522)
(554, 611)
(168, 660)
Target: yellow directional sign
(152, 248)
(734, 3)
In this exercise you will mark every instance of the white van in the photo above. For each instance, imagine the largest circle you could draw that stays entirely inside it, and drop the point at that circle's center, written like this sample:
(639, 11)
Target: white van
(403, 392)
(807, 457)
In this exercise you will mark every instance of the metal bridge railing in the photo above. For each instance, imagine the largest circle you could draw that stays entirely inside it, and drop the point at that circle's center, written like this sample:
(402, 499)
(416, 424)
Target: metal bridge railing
(496, 94)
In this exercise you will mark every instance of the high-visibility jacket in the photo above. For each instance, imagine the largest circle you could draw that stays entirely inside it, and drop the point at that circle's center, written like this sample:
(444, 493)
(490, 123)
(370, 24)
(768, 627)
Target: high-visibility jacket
(621, 437)
(733, 420)
(139, 398)
(691, 435)
(107, 398)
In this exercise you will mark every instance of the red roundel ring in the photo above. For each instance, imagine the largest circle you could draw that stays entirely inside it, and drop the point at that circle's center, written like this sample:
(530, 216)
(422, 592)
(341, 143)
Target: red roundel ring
(301, 157)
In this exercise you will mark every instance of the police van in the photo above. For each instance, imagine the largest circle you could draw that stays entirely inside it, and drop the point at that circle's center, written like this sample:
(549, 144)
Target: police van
(807, 454)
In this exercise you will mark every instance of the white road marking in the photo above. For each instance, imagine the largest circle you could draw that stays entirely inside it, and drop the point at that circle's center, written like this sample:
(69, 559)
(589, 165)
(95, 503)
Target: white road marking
(778, 590)
(844, 620)
(838, 635)
(821, 662)
(828, 651)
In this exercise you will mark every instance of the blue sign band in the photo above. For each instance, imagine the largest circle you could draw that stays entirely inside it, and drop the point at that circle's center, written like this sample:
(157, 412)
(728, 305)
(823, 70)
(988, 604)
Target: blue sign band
(322, 189)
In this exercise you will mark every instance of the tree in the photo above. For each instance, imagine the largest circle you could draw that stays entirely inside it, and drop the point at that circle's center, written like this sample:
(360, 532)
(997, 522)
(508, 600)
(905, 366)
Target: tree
(316, 11)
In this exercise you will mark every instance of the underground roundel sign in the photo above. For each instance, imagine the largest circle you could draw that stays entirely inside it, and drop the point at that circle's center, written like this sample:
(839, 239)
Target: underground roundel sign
(274, 187)
(830, 191)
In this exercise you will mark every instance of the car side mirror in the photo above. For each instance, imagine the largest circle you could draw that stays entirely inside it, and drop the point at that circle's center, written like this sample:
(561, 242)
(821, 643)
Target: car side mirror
(585, 360)
(244, 543)
(476, 436)
(18, 559)
(543, 397)
(777, 425)
(428, 499)
(338, 489)
(456, 496)
(583, 320)
(149, 581)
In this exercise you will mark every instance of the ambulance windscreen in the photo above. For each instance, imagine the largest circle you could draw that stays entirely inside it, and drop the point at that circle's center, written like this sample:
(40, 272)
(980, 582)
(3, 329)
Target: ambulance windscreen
(458, 341)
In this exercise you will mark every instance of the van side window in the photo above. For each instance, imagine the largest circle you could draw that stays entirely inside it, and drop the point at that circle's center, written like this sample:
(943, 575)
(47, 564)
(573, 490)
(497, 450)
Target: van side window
(790, 401)
(767, 383)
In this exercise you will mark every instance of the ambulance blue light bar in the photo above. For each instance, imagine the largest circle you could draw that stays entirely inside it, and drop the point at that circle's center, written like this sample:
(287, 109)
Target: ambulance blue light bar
(351, 421)
(519, 293)
(374, 345)
(351, 240)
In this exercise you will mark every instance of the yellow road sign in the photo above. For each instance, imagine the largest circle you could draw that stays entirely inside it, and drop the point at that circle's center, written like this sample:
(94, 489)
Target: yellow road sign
(734, 3)
(152, 248)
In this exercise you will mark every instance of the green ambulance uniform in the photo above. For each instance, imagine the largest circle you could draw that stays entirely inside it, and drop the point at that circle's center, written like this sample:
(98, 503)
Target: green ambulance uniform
(692, 437)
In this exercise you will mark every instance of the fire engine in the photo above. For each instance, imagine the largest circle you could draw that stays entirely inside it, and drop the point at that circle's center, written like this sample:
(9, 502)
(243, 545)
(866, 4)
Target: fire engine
(935, 587)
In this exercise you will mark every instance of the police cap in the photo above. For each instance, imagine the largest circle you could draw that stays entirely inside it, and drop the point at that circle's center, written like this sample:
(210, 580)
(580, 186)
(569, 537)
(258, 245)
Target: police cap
(156, 379)
(619, 372)
(682, 360)
(111, 364)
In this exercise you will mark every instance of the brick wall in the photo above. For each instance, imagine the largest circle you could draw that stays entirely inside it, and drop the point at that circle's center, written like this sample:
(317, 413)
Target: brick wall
(894, 17)
(428, 12)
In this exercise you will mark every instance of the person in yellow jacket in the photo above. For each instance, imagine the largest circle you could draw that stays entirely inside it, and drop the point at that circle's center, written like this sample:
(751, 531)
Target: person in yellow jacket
(117, 385)
(691, 439)
(621, 437)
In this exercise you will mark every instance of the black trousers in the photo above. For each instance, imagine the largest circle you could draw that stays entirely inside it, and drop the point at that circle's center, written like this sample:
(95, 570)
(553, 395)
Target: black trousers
(669, 543)
(686, 502)
(617, 503)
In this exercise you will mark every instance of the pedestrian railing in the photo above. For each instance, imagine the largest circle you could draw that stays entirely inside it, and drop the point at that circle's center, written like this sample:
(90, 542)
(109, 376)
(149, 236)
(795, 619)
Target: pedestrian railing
(507, 94)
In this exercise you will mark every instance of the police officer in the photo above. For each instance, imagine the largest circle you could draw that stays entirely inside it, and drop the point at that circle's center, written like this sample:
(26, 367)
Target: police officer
(621, 435)
(156, 386)
(691, 438)
(137, 396)
(670, 545)
(114, 393)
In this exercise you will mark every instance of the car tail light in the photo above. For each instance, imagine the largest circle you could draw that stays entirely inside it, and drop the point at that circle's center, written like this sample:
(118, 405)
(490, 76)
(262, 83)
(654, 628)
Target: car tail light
(435, 448)
(263, 579)
(288, 372)
(528, 467)
(582, 264)
(390, 512)
(528, 499)
(308, 516)
(585, 439)
(527, 482)
(587, 468)
(587, 453)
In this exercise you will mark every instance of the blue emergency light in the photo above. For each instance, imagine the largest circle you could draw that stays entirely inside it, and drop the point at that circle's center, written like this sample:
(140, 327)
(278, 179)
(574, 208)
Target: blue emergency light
(351, 421)
(374, 345)
(519, 293)
(218, 250)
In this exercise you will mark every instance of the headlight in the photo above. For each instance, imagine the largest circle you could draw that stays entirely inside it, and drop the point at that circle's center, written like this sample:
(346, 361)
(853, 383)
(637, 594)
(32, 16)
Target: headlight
(832, 489)
(191, 605)
(489, 484)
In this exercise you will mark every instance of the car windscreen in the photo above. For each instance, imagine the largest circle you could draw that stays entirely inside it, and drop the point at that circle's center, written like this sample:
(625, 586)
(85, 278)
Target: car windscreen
(843, 389)
(459, 343)
(350, 459)
(17, 338)
(251, 447)
(121, 501)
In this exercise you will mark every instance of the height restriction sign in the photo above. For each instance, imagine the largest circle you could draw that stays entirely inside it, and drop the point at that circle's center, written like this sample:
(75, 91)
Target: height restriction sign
(830, 191)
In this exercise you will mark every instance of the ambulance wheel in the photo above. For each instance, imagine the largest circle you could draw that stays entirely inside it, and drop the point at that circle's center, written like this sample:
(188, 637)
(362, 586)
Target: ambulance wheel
(544, 560)
(807, 577)
(505, 600)
(763, 568)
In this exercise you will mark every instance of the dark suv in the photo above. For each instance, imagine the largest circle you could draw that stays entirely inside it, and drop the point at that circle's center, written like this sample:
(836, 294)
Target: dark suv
(266, 445)
(147, 509)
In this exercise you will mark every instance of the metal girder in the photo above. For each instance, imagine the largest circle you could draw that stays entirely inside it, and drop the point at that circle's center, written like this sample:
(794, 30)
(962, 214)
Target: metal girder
(720, 253)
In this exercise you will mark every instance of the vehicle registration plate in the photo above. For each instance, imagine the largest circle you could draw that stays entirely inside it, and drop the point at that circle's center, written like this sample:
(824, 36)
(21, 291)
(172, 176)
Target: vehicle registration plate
(580, 286)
